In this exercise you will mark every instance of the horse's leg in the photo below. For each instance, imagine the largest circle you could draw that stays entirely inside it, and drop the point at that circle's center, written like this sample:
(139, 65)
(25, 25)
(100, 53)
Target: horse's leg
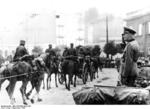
(56, 79)
(65, 78)
(48, 81)
(22, 90)
(43, 82)
(10, 89)
(69, 81)
(29, 93)
(101, 66)
(97, 72)
(1, 82)
(37, 88)
(94, 74)
(75, 80)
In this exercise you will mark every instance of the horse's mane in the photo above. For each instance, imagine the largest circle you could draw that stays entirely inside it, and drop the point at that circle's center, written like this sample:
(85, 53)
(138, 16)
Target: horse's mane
(44, 56)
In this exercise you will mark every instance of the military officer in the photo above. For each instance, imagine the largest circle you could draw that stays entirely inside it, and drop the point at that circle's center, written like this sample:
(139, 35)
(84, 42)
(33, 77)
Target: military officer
(131, 54)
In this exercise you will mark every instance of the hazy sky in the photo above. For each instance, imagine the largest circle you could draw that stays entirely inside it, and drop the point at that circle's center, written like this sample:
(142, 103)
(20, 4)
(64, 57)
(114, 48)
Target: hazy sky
(13, 11)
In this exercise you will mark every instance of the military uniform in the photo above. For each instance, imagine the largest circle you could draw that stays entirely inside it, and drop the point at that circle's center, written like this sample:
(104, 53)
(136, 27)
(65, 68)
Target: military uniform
(96, 51)
(65, 52)
(51, 52)
(72, 52)
(131, 54)
(81, 52)
(20, 51)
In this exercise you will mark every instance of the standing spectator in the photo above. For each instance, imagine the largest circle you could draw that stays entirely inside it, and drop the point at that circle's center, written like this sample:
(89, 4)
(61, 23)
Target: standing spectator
(130, 55)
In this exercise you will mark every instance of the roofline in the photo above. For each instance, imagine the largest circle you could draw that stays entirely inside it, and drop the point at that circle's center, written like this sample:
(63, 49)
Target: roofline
(137, 14)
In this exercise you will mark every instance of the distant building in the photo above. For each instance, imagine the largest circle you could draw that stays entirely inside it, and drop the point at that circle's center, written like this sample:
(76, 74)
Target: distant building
(69, 29)
(140, 21)
(97, 30)
(37, 29)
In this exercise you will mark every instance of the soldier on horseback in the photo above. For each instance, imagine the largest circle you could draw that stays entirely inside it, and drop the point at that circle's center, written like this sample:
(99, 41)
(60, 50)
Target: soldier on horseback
(69, 54)
(65, 53)
(51, 53)
(50, 50)
(72, 51)
(52, 64)
(69, 65)
(20, 51)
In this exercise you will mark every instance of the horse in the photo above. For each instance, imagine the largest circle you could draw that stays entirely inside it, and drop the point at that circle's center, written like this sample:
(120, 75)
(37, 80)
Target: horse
(52, 64)
(53, 68)
(17, 71)
(37, 78)
(69, 68)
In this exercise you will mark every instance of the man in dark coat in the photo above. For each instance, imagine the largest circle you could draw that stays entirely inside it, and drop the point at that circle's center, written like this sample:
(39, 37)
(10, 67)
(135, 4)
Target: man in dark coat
(51, 54)
(72, 50)
(70, 54)
(96, 50)
(20, 51)
(65, 52)
(131, 54)
(50, 50)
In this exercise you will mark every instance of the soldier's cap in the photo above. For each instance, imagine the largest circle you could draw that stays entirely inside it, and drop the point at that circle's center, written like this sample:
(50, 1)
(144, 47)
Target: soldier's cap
(22, 41)
(50, 45)
(146, 60)
(128, 30)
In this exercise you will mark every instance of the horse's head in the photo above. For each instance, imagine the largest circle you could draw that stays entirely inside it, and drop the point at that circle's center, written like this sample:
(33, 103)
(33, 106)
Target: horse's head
(39, 63)
(87, 59)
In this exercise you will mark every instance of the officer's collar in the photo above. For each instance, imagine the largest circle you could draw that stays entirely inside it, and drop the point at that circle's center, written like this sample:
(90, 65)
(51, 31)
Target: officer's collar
(131, 40)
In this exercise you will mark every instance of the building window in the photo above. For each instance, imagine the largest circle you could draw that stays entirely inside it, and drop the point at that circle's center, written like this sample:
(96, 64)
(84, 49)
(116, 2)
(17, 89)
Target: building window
(149, 27)
(140, 29)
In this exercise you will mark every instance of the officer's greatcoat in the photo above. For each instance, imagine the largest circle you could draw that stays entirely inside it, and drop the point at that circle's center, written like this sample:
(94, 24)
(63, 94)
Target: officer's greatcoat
(131, 54)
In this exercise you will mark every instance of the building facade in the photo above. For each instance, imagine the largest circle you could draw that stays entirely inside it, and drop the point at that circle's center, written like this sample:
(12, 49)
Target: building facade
(97, 30)
(140, 21)
(37, 29)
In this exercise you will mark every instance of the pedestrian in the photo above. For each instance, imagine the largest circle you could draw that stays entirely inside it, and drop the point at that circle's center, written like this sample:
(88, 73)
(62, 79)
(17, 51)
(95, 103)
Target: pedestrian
(130, 57)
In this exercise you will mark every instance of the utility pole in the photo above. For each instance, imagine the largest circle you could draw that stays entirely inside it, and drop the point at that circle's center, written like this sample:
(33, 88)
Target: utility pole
(107, 32)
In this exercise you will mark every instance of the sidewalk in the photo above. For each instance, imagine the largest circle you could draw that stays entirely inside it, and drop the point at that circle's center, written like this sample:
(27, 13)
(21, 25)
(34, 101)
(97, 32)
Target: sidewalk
(108, 77)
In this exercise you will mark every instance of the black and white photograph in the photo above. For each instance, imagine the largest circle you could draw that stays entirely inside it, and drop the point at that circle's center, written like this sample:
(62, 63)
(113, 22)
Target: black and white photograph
(74, 52)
